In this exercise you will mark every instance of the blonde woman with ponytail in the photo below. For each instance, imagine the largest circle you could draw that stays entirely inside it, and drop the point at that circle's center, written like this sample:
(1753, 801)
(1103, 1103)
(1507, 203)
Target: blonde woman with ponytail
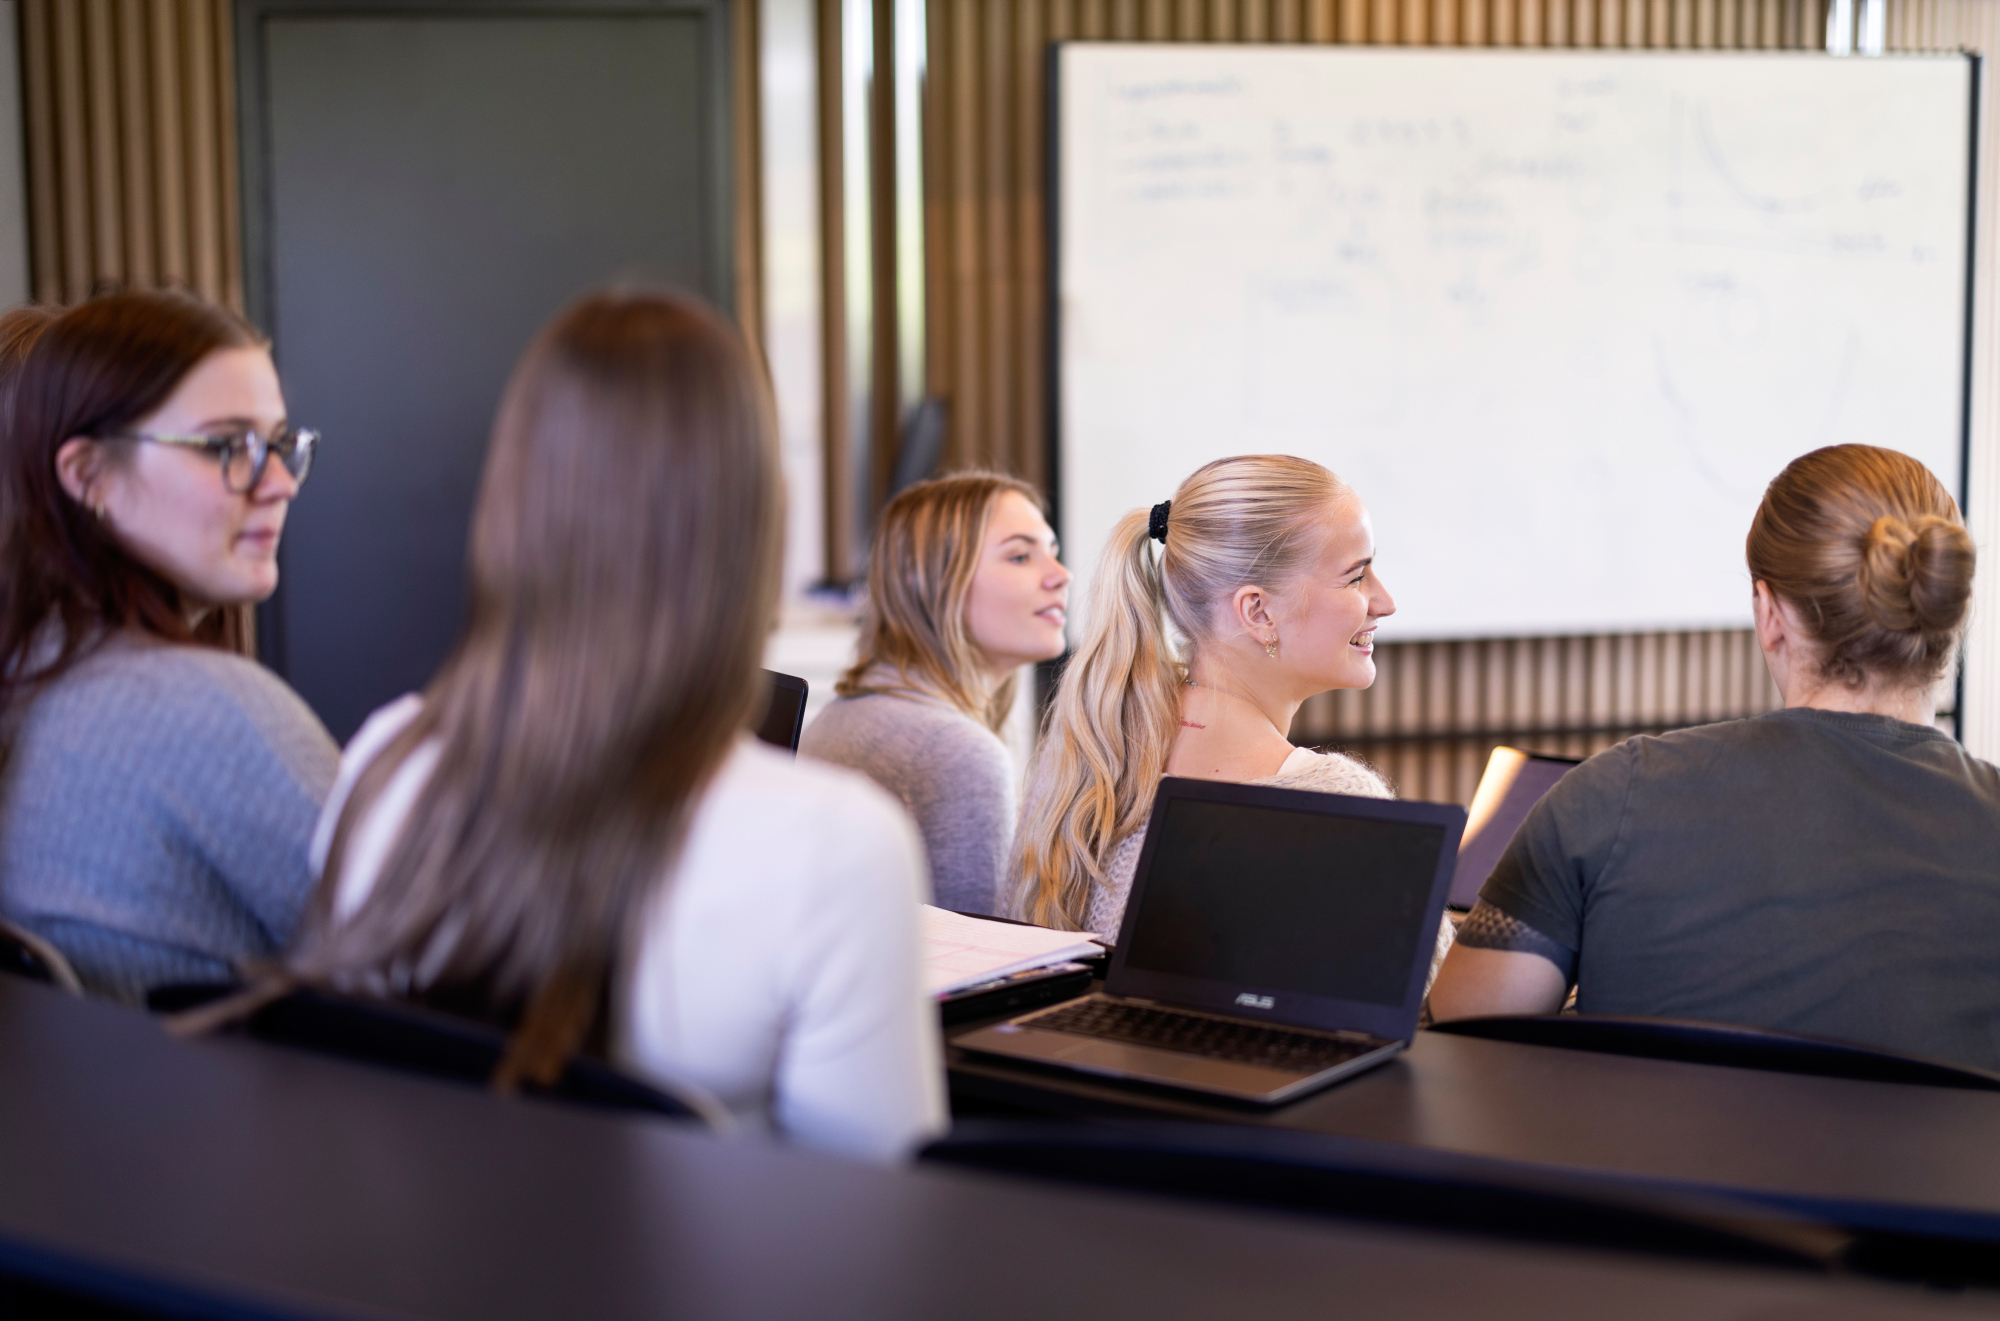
(1831, 868)
(1213, 616)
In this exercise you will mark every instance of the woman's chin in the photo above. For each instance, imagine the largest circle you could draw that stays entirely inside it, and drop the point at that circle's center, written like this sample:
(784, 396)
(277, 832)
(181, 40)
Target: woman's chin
(252, 588)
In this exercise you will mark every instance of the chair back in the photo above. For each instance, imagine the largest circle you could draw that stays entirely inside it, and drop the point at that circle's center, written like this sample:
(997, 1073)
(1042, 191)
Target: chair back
(418, 1039)
(784, 716)
(25, 954)
(1694, 1042)
(1356, 1179)
(921, 443)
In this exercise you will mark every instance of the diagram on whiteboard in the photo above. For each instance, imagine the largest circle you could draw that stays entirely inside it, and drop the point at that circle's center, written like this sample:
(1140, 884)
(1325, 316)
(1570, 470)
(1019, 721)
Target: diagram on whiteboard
(1558, 317)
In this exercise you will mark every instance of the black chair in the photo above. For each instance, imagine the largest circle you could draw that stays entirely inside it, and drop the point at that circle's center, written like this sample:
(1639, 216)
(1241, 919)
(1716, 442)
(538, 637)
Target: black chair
(418, 1039)
(1353, 1179)
(921, 444)
(25, 954)
(784, 716)
(1720, 1043)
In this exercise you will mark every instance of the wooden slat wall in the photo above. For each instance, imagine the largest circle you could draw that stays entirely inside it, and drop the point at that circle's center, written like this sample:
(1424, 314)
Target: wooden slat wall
(131, 127)
(1437, 709)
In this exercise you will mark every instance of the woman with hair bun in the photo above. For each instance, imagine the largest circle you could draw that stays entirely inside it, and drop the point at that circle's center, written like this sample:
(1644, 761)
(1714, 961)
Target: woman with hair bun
(1265, 570)
(1829, 868)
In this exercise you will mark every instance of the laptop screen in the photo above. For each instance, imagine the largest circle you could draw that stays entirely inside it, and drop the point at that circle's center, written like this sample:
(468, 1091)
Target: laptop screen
(1307, 903)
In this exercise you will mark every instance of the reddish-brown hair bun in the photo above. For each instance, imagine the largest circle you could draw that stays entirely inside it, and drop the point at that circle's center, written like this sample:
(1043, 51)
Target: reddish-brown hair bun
(1869, 547)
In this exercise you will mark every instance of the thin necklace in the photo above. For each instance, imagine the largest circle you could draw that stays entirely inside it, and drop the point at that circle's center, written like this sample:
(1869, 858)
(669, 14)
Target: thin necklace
(1239, 697)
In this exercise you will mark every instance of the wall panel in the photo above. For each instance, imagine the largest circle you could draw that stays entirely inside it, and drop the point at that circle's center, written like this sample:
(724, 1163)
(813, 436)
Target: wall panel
(130, 111)
(1436, 709)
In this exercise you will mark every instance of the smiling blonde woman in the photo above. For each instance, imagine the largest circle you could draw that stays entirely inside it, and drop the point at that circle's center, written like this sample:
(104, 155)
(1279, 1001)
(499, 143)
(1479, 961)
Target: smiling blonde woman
(964, 588)
(1265, 571)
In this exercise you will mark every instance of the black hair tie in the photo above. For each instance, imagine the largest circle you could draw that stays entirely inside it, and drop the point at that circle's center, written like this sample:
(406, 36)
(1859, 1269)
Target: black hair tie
(1157, 524)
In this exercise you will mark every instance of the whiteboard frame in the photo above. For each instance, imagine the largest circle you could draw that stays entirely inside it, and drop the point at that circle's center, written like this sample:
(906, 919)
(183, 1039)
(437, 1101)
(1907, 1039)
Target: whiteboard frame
(1053, 396)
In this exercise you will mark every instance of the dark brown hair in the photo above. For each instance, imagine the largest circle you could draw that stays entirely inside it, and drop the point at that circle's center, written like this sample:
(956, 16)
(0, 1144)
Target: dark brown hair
(1869, 548)
(88, 371)
(624, 574)
(920, 574)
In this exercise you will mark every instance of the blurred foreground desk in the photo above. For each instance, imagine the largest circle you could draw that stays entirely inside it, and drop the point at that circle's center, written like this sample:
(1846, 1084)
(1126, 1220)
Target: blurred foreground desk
(233, 1179)
(1881, 1156)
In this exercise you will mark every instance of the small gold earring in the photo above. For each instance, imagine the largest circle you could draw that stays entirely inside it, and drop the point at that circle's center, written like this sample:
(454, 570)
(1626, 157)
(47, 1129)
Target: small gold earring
(1271, 649)
(98, 509)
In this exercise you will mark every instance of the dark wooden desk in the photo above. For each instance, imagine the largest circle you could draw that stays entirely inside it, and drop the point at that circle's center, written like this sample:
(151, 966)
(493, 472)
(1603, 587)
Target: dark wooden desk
(1868, 1155)
(230, 1178)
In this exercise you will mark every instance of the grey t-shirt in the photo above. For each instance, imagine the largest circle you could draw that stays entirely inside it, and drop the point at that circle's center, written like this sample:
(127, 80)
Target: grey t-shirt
(1806, 871)
(155, 814)
(952, 773)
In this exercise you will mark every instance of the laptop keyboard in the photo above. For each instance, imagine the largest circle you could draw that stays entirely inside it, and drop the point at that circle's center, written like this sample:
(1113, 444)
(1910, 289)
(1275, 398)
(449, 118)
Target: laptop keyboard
(1194, 1034)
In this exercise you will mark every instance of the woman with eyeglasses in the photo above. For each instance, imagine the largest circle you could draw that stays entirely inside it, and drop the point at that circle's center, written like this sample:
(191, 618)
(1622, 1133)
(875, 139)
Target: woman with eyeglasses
(158, 787)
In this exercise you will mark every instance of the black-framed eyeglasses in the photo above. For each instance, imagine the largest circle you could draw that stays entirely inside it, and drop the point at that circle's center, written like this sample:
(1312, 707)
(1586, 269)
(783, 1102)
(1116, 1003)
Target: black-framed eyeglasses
(243, 454)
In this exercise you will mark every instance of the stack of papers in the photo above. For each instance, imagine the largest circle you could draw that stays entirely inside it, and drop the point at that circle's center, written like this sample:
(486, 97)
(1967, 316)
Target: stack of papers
(964, 951)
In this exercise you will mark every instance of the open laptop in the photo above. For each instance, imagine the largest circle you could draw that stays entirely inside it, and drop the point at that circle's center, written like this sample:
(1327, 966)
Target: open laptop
(1514, 782)
(1275, 941)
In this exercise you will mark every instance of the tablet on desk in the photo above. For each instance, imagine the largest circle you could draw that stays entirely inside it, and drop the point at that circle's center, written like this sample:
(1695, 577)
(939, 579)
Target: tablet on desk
(1514, 782)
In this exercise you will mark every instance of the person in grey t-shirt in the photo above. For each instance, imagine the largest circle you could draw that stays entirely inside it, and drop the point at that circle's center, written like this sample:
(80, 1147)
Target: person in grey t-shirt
(1830, 868)
(964, 588)
(157, 792)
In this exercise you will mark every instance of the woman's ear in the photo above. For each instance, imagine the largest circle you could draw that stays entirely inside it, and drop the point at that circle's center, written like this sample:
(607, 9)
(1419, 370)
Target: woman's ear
(1252, 608)
(77, 464)
(1774, 623)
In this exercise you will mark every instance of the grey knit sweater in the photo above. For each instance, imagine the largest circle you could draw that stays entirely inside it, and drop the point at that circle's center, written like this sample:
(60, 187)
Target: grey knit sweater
(952, 773)
(155, 813)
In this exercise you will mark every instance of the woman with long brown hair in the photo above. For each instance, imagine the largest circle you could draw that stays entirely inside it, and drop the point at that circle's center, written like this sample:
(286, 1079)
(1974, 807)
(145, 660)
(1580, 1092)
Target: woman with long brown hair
(964, 589)
(159, 786)
(1831, 868)
(570, 832)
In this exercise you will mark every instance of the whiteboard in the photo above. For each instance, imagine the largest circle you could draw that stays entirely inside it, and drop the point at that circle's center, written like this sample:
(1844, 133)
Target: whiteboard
(1558, 317)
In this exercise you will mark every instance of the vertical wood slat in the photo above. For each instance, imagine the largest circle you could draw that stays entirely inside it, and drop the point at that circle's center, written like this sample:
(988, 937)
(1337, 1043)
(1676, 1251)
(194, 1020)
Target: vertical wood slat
(135, 143)
(1025, 225)
(837, 418)
(884, 351)
(131, 142)
(746, 106)
(169, 146)
(38, 100)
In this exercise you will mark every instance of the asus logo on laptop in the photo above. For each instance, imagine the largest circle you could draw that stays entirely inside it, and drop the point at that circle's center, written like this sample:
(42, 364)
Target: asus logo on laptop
(1250, 1001)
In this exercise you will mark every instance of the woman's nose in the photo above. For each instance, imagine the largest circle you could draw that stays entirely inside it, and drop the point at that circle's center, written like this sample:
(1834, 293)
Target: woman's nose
(277, 483)
(1381, 603)
(1056, 577)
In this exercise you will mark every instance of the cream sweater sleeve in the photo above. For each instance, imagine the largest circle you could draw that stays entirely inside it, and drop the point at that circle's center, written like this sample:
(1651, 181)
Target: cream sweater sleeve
(860, 1070)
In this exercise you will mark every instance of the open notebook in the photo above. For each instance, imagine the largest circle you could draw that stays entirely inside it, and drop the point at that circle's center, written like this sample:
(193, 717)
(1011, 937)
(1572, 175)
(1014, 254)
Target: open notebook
(961, 951)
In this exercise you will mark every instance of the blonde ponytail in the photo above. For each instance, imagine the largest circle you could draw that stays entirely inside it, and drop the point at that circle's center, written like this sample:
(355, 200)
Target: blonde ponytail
(1110, 730)
(1252, 518)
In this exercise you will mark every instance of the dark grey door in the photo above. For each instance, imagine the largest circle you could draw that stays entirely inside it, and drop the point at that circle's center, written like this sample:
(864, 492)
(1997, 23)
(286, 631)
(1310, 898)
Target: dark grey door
(424, 188)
